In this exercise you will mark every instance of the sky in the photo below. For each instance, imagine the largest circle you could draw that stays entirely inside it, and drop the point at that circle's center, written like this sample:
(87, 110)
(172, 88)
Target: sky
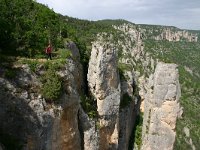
(184, 14)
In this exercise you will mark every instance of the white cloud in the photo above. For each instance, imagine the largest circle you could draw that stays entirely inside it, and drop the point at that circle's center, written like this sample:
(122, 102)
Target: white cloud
(180, 13)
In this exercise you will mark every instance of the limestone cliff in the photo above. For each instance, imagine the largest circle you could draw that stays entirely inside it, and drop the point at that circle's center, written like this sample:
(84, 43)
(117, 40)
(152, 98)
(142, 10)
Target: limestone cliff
(166, 33)
(120, 75)
(32, 123)
(171, 35)
(66, 135)
(161, 82)
(114, 95)
(104, 84)
(64, 124)
(161, 108)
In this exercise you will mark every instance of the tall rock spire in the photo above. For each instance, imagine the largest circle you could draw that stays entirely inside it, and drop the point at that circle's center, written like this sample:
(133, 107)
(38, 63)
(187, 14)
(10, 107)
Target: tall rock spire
(161, 108)
(104, 85)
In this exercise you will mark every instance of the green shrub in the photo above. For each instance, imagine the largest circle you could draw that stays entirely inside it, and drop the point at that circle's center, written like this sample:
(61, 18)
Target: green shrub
(138, 131)
(63, 53)
(122, 69)
(136, 135)
(10, 73)
(51, 87)
(97, 125)
(89, 106)
(40, 56)
(125, 67)
(47, 64)
(54, 64)
(125, 100)
(121, 75)
(33, 65)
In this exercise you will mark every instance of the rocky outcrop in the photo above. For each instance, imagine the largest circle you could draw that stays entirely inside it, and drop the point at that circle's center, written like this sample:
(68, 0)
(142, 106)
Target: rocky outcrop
(126, 123)
(159, 91)
(89, 129)
(22, 115)
(170, 35)
(64, 124)
(74, 49)
(65, 134)
(32, 123)
(116, 102)
(104, 85)
(119, 75)
(161, 108)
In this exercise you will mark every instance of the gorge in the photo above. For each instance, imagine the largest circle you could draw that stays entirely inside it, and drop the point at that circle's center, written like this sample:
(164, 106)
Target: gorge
(112, 85)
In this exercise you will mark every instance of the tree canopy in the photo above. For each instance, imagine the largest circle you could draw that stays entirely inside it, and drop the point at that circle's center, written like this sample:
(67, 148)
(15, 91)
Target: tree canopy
(27, 27)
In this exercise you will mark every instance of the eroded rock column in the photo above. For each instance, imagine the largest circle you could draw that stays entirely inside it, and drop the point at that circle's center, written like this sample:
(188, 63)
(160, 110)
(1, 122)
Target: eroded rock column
(104, 85)
(66, 134)
(161, 108)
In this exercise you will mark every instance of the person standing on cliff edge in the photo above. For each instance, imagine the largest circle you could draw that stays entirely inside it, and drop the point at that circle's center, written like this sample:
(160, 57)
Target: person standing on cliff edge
(48, 52)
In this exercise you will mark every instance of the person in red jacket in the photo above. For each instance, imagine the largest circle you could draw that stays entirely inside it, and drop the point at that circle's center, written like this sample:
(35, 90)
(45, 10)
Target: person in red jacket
(48, 51)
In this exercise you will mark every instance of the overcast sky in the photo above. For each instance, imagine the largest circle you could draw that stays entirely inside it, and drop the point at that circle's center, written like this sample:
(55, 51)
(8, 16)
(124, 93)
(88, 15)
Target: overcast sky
(184, 14)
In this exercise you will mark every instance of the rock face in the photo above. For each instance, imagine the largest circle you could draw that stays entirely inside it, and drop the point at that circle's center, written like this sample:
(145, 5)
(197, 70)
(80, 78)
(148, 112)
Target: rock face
(104, 85)
(126, 124)
(170, 35)
(161, 108)
(36, 124)
(167, 33)
(33, 124)
(22, 115)
(65, 134)
(90, 132)
(160, 91)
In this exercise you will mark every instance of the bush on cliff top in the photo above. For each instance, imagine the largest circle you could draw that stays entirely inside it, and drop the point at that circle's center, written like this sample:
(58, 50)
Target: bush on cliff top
(51, 87)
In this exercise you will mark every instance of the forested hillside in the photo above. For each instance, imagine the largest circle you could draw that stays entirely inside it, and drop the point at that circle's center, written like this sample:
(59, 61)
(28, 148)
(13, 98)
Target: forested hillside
(27, 27)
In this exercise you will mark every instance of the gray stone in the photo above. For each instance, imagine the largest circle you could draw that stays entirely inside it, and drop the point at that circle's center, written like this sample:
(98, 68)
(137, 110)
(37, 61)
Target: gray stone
(26, 116)
(104, 84)
(74, 50)
(186, 131)
(170, 35)
(90, 128)
(24, 95)
(161, 109)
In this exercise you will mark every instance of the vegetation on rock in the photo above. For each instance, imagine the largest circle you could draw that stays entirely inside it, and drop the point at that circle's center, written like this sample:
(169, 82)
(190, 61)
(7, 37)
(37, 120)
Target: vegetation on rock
(89, 106)
(52, 85)
(125, 100)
